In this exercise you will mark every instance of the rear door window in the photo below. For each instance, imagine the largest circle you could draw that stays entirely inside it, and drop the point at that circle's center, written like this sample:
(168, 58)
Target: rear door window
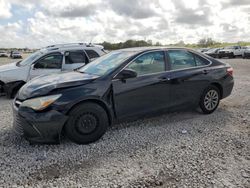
(92, 54)
(182, 59)
(73, 57)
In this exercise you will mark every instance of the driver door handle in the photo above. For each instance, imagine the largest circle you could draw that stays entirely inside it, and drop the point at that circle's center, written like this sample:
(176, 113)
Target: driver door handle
(205, 71)
(164, 78)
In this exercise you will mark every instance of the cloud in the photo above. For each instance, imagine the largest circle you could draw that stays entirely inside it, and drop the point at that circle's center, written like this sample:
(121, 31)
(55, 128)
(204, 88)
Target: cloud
(228, 28)
(235, 3)
(74, 11)
(137, 9)
(5, 9)
(43, 22)
(192, 16)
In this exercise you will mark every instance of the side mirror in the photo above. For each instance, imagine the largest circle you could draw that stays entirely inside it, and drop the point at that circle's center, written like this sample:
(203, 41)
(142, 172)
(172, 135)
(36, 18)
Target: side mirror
(33, 67)
(66, 53)
(126, 73)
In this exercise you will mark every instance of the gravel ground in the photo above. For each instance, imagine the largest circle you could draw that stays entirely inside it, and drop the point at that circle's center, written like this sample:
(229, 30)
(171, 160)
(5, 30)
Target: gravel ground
(184, 149)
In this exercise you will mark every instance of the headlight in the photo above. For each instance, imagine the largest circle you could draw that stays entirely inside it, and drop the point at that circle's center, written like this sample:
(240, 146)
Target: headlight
(40, 103)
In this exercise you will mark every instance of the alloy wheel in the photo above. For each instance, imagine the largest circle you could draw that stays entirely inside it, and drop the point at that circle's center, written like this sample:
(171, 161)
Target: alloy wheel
(211, 100)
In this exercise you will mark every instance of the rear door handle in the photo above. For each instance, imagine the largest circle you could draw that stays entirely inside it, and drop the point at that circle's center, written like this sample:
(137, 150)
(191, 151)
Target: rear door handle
(205, 71)
(164, 78)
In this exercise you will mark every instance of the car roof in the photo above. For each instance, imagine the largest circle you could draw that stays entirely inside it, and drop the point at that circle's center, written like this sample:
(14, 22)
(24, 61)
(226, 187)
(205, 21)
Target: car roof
(142, 49)
(70, 46)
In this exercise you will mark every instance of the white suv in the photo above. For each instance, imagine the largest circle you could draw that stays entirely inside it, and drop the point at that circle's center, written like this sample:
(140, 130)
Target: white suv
(52, 59)
(230, 52)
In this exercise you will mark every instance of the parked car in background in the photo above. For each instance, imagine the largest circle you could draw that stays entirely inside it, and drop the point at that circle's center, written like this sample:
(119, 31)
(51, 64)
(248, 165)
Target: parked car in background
(213, 52)
(122, 84)
(15, 54)
(202, 50)
(230, 52)
(52, 59)
(3, 54)
(246, 52)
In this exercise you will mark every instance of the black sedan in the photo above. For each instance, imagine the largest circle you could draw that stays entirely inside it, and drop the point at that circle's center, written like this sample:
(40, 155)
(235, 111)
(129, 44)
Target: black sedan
(122, 84)
(214, 52)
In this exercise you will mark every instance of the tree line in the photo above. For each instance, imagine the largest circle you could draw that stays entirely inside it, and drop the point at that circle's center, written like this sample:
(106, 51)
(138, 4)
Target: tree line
(202, 43)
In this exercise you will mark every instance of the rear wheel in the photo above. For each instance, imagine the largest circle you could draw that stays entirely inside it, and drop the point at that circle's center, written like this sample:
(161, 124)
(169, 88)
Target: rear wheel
(87, 123)
(210, 99)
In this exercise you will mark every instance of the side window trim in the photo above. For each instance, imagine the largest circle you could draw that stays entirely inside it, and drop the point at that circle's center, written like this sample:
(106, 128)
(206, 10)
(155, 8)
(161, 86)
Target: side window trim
(52, 53)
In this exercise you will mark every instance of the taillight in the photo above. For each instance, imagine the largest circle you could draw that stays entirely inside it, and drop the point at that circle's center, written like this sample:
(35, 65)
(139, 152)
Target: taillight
(230, 71)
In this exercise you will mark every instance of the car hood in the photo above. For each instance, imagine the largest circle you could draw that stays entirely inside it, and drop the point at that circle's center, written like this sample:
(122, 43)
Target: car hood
(8, 67)
(42, 85)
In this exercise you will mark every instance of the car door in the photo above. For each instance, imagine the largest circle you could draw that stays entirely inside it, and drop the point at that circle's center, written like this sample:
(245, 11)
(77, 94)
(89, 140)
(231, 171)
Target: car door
(74, 59)
(51, 63)
(147, 92)
(189, 76)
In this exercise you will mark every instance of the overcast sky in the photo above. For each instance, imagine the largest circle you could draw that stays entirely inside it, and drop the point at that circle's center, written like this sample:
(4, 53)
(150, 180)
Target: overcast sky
(29, 23)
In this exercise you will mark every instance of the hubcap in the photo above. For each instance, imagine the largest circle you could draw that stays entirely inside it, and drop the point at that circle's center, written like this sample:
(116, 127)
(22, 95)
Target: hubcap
(211, 100)
(86, 123)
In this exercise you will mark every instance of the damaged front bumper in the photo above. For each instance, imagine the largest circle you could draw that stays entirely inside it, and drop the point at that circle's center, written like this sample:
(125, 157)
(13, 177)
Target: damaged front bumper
(38, 127)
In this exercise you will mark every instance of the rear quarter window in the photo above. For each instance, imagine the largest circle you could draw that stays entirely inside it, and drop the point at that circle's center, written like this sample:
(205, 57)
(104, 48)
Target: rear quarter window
(200, 61)
(92, 54)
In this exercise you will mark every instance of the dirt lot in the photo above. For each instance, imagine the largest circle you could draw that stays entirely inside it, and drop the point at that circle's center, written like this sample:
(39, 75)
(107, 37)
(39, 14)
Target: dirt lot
(6, 60)
(184, 149)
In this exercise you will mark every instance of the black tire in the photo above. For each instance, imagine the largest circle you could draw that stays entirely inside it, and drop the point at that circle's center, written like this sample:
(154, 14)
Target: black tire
(207, 105)
(87, 123)
(12, 92)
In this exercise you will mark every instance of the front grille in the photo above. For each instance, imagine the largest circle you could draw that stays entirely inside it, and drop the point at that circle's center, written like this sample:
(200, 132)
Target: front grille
(17, 124)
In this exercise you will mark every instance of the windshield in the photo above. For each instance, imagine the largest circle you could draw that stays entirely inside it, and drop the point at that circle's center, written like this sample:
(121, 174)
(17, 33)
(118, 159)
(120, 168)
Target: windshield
(107, 63)
(30, 58)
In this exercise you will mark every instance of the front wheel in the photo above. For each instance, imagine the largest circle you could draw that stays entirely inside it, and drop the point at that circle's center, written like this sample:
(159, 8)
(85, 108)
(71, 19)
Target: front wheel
(210, 99)
(87, 123)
